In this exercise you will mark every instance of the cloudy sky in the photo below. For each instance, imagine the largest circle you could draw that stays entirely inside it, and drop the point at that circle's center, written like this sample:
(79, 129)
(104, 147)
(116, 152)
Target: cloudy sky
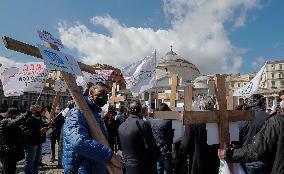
(218, 36)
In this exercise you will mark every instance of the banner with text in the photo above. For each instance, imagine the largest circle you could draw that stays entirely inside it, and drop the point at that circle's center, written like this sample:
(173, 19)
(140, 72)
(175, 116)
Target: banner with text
(23, 77)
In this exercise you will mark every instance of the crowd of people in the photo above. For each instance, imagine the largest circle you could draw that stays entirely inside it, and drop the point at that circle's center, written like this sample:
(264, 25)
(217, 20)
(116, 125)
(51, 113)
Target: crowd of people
(138, 143)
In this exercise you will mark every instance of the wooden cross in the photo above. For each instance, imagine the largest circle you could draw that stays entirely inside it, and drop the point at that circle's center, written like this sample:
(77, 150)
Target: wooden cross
(222, 116)
(75, 91)
(173, 95)
(114, 98)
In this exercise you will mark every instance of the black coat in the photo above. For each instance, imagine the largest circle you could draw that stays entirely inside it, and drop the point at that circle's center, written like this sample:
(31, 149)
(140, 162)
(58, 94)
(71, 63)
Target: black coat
(11, 137)
(248, 129)
(57, 126)
(203, 158)
(163, 134)
(138, 147)
(267, 146)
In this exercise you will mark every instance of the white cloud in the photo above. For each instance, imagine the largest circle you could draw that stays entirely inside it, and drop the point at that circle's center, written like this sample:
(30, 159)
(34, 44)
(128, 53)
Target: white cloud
(258, 62)
(4, 60)
(197, 31)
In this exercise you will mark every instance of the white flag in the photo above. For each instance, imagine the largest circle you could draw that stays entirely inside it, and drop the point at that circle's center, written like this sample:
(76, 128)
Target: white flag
(23, 77)
(252, 87)
(141, 75)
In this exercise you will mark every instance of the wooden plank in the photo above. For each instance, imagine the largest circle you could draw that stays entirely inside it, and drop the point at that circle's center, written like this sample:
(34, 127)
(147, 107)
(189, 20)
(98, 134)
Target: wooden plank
(171, 115)
(193, 117)
(230, 102)
(238, 115)
(119, 99)
(31, 50)
(223, 117)
(173, 90)
(188, 94)
(55, 103)
(113, 92)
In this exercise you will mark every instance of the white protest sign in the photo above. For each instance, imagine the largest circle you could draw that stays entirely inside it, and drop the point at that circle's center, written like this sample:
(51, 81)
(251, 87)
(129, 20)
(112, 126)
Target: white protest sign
(23, 77)
(60, 85)
(213, 132)
(100, 76)
(43, 35)
(56, 60)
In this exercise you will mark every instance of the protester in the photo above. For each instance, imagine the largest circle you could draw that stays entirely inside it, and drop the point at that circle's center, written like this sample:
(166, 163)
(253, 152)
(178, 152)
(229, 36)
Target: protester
(121, 115)
(267, 146)
(37, 129)
(111, 126)
(163, 134)
(58, 122)
(197, 157)
(248, 129)
(139, 149)
(11, 141)
(145, 113)
(81, 153)
(119, 119)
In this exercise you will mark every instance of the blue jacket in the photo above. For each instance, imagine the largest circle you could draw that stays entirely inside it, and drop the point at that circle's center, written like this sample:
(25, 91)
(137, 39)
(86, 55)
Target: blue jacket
(80, 151)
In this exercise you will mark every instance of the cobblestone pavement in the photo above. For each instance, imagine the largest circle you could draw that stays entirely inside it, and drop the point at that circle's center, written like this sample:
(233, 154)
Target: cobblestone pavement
(49, 167)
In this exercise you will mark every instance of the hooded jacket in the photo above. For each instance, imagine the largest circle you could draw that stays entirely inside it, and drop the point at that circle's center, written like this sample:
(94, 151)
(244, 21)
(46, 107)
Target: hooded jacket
(81, 153)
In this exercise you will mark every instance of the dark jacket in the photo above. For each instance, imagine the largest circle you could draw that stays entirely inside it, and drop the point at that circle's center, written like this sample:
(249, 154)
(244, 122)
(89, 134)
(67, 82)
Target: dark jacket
(267, 146)
(120, 118)
(138, 146)
(11, 137)
(203, 158)
(33, 126)
(163, 134)
(248, 129)
(80, 151)
(57, 126)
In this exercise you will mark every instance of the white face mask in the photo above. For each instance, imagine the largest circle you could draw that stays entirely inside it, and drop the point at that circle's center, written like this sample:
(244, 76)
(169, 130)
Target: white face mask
(282, 104)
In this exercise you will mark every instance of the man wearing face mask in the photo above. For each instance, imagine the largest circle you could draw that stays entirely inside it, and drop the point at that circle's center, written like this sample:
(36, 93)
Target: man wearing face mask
(81, 153)
(267, 145)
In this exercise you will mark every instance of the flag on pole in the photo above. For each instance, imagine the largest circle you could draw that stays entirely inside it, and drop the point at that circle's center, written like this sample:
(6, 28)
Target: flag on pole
(251, 87)
(141, 75)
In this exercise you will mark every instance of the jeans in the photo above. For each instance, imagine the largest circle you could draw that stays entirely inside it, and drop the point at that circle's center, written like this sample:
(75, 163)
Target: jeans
(32, 159)
(165, 165)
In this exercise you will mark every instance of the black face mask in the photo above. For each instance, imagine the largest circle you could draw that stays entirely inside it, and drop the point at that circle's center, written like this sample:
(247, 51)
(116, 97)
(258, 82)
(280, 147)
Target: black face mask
(101, 99)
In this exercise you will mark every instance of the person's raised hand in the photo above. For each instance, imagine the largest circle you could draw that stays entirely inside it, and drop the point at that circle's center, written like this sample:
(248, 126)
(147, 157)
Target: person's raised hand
(116, 161)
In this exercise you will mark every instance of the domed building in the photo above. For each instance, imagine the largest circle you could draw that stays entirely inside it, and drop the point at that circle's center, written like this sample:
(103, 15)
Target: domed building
(171, 64)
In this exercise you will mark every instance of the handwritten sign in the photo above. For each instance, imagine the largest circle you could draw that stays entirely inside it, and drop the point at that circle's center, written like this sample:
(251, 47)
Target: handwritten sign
(23, 77)
(45, 36)
(56, 60)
